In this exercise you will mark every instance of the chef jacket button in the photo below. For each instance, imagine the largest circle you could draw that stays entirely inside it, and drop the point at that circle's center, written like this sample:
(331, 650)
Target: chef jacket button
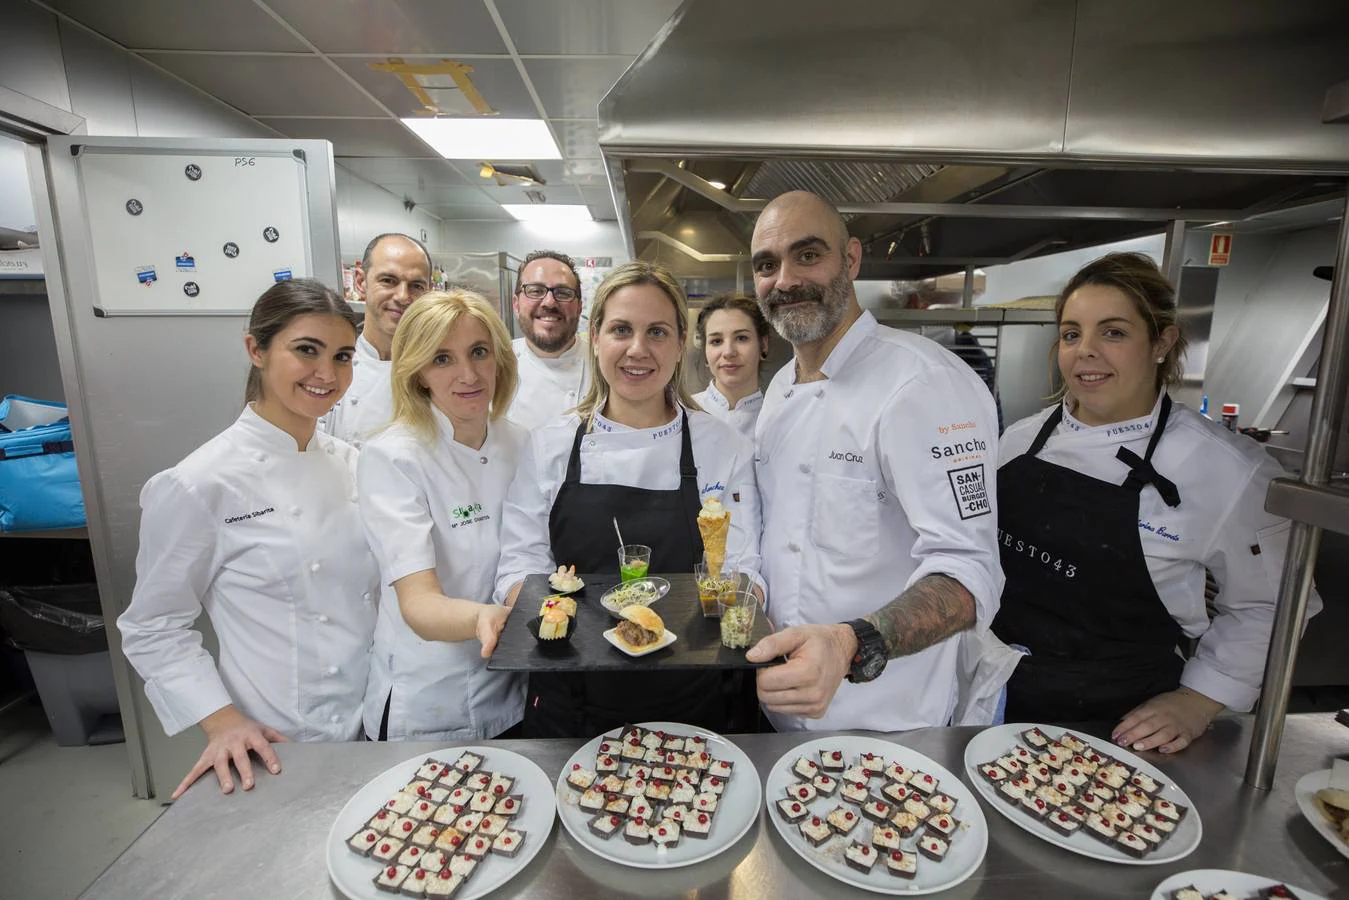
(354, 400)
(590, 444)
(819, 392)
(323, 620)
(260, 457)
(329, 447)
(805, 467)
(313, 567)
(295, 510)
(789, 393)
(335, 719)
(365, 596)
(482, 459)
(880, 495)
(332, 670)
(794, 547)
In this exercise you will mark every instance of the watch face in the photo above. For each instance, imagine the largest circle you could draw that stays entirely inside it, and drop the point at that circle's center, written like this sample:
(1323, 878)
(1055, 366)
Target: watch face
(871, 667)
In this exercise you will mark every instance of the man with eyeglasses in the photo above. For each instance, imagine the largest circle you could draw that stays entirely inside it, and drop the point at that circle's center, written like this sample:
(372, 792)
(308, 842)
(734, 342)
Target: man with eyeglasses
(394, 270)
(547, 306)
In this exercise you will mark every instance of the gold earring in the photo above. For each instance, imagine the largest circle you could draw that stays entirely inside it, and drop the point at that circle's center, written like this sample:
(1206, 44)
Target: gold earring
(1160, 360)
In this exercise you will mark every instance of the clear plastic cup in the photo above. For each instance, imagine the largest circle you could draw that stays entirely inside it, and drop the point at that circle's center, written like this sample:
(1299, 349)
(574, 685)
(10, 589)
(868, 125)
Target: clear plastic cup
(737, 609)
(633, 561)
(712, 589)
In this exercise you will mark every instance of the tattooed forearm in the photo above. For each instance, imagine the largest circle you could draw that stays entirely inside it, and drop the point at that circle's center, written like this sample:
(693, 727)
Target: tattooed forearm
(931, 610)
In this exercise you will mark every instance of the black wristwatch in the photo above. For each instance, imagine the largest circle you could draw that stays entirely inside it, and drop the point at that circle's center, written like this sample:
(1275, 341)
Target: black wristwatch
(869, 661)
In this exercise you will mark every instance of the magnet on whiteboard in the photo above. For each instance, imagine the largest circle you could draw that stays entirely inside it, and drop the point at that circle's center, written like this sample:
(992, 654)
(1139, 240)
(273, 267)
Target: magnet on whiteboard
(271, 235)
(191, 289)
(282, 275)
(146, 275)
(185, 263)
(231, 250)
(135, 207)
(193, 172)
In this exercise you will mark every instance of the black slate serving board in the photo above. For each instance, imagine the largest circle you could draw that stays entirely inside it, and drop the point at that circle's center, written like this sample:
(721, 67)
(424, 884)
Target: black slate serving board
(698, 645)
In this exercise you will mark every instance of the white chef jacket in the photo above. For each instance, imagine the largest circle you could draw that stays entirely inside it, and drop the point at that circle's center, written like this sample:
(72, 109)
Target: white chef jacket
(367, 405)
(548, 386)
(1221, 523)
(267, 540)
(645, 458)
(437, 505)
(872, 478)
(742, 417)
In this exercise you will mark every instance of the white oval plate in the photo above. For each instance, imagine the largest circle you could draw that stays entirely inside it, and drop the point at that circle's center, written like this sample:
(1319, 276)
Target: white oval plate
(355, 875)
(666, 639)
(991, 743)
(1210, 881)
(968, 845)
(737, 810)
(552, 587)
(661, 586)
(1303, 792)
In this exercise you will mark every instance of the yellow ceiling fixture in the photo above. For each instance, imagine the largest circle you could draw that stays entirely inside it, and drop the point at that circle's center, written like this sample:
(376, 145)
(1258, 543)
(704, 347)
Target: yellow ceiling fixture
(507, 176)
(442, 88)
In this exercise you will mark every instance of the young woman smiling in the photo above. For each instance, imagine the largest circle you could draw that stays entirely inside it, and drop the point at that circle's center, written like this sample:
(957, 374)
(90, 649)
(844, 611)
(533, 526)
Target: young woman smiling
(638, 449)
(1111, 505)
(259, 528)
(431, 488)
(733, 335)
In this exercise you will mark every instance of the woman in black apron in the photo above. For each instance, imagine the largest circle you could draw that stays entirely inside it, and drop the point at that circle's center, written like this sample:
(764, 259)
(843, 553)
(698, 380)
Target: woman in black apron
(638, 329)
(1079, 593)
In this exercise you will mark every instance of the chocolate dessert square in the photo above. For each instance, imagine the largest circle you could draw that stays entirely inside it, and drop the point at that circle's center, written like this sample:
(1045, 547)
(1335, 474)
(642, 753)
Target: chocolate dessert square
(843, 820)
(933, 847)
(605, 825)
(815, 830)
(792, 810)
(832, 760)
(901, 864)
(861, 857)
(508, 843)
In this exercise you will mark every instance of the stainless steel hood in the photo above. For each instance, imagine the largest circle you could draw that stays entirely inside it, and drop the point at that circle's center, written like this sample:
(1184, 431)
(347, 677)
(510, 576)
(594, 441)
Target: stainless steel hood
(968, 132)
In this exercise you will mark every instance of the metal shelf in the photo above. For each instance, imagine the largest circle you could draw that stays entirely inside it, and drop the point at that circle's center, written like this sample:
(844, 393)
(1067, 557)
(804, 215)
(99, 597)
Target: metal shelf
(1322, 507)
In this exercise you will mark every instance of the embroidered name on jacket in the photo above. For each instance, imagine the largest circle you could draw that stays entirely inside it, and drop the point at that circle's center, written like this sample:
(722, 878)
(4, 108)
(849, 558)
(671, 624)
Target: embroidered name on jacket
(1159, 530)
(959, 448)
(846, 456)
(1042, 556)
(468, 514)
(253, 515)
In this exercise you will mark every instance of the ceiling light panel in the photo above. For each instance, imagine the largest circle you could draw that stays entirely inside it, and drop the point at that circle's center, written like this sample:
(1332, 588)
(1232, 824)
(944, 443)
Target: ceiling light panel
(548, 212)
(486, 139)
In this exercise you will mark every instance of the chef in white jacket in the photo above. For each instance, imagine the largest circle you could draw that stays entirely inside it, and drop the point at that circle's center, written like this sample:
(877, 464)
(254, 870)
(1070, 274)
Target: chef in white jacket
(638, 450)
(431, 488)
(259, 528)
(394, 271)
(547, 304)
(1111, 506)
(876, 455)
(732, 333)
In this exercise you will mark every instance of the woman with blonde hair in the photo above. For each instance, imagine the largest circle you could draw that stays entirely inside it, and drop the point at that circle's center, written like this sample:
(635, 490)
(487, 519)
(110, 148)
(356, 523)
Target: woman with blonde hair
(637, 449)
(431, 488)
(1111, 506)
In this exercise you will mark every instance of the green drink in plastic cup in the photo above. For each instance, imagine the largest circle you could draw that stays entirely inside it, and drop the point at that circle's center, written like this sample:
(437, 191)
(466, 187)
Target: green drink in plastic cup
(633, 561)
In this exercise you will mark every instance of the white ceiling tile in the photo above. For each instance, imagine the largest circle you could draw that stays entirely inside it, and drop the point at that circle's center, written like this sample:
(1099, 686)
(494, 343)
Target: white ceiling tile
(587, 172)
(554, 194)
(479, 213)
(358, 137)
(419, 173)
(270, 85)
(176, 25)
(452, 196)
(497, 81)
(572, 88)
(622, 27)
(600, 202)
(578, 138)
(393, 26)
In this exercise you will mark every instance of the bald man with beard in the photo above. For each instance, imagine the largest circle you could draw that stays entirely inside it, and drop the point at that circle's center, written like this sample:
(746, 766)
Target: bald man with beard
(876, 460)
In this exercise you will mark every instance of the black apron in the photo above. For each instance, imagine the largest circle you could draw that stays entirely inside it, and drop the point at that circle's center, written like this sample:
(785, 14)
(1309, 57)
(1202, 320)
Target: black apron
(1078, 591)
(580, 529)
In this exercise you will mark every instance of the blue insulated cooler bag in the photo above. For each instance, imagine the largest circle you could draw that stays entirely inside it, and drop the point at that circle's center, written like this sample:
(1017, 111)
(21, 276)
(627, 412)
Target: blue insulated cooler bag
(39, 484)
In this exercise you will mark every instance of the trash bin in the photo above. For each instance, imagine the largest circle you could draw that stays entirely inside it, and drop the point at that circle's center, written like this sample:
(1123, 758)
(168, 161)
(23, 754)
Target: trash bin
(60, 630)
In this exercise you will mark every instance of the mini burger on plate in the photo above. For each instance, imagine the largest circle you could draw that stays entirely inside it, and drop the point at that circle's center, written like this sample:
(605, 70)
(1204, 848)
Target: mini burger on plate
(640, 628)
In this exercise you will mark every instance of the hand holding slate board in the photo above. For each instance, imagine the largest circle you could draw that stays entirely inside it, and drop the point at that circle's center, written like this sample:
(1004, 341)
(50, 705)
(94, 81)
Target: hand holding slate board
(698, 645)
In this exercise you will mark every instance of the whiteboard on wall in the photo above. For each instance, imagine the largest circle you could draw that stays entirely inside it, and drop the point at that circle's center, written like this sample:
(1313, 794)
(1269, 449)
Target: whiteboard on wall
(199, 233)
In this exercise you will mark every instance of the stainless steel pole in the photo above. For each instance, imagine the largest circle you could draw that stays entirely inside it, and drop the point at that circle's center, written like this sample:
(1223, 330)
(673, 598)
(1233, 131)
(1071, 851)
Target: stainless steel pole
(1327, 413)
(1173, 252)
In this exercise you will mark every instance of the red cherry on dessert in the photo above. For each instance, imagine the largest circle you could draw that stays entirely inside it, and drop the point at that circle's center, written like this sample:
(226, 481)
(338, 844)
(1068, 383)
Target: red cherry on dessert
(421, 873)
(510, 804)
(815, 820)
(897, 856)
(415, 851)
(383, 848)
(477, 845)
(613, 820)
(407, 826)
(713, 780)
(423, 806)
(702, 818)
(370, 838)
(576, 767)
(391, 871)
(848, 816)
(445, 873)
(796, 807)
(499, 789)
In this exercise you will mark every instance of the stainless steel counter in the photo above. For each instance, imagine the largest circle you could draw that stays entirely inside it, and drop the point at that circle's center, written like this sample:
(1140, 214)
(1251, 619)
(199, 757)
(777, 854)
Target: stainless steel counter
(269, 843)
